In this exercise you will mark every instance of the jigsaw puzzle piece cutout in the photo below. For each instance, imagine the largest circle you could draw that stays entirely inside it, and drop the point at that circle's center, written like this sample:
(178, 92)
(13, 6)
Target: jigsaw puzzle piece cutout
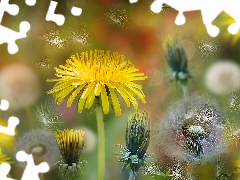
(4, 170)
(12, 123)
(12, 9)
(51, 16)
(9, 36)
(209, 13)
(232, 9)
(31, 171)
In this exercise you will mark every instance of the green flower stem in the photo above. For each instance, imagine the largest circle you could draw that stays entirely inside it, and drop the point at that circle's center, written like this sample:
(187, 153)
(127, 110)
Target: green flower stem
(29, 118)
(184, 89)
(101, 143)
(131, 175)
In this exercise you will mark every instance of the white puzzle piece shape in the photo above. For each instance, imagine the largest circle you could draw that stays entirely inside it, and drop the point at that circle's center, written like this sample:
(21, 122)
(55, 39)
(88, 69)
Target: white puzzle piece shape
(7, 35)
(4, 170)
(12, 9)
(12, 123)
(31, 171)
(51, 16)
(209, 10)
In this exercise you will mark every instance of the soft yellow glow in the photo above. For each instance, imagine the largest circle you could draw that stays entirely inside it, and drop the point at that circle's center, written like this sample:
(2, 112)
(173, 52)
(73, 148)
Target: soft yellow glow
(98, 75)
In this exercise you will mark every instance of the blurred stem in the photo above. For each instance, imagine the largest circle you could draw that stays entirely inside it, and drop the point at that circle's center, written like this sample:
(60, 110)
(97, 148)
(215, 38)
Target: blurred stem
(131, 175)
(101, 143)
(29, 118)
(184, 89)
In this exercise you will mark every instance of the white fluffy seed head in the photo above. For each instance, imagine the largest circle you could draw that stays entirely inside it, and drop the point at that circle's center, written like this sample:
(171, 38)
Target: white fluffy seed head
(19, 85)
(41, 144)
(202, 114)
(222, 77)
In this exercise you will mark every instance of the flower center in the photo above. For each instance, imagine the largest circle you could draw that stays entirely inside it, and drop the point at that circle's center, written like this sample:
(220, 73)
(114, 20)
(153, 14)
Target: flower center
(196, 130)
(38, 150)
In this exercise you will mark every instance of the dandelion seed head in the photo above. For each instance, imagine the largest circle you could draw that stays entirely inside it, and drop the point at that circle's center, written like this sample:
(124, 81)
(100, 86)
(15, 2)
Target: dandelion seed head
(222, 169)
(234, 101)
(43, 63)
(48, 115)
(52, 38)
(208, 49)
(222, 77)
(116, 15)
(192, 130)
(19, 85)
(231, 131)
(41, 144)
(154, 169)
(79, 36)
(178, 170)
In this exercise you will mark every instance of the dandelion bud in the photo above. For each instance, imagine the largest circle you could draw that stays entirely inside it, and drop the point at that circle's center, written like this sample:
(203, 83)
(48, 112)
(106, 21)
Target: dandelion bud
(70, 143)
(137, 141)
(177, 60)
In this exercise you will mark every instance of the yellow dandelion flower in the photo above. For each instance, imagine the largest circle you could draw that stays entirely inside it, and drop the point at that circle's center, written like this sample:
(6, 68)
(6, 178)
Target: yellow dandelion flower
(98, 75)
(237, 172)
(7, 142)
(4, 158)
(70, 143)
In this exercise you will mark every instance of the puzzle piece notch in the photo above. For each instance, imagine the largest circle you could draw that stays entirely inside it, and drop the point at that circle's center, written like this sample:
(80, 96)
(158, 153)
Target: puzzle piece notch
(12, 9)
(9, 36)
(31, 171)
(30, 2)
(12, 123)
(51, 16)
(4, 170)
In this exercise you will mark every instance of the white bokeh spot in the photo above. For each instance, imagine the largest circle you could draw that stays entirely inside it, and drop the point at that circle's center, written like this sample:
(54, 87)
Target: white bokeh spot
(4, 105)
(76, 11)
